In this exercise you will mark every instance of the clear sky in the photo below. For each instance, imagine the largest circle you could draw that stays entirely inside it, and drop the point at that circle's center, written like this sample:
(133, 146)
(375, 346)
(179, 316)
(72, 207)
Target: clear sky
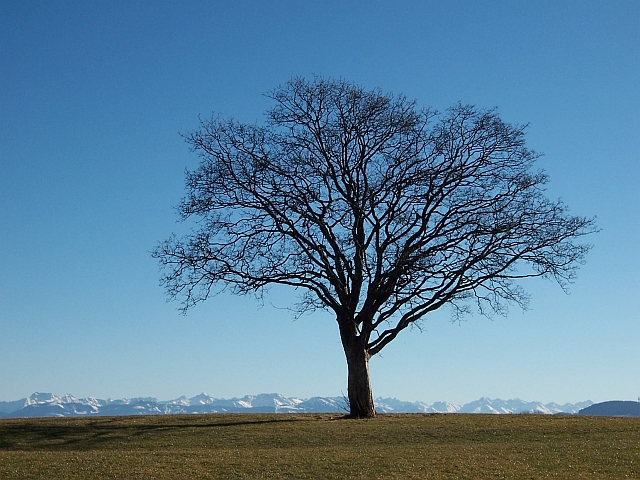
(93, 96)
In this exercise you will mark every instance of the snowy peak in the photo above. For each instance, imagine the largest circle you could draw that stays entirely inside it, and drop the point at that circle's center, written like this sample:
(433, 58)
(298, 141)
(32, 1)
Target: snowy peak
(444, 407)
(202, 399)
(498, 406)
(41, 398)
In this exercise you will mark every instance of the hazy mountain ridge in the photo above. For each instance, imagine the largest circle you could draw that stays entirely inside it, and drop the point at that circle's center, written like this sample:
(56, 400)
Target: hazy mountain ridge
(50, 405)
(617, 408)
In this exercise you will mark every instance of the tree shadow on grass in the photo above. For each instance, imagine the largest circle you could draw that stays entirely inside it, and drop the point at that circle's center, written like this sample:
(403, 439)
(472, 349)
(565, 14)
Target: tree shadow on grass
(109, 432)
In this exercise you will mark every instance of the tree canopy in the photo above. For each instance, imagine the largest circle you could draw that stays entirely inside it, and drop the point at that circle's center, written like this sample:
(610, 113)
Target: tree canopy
(375, 209)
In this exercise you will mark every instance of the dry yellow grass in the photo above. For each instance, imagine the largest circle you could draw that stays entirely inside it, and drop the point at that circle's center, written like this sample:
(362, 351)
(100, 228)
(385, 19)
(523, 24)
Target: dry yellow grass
(407, 446)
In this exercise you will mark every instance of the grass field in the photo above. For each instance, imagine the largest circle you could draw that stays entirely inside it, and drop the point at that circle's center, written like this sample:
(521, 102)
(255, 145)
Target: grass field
(406, 446)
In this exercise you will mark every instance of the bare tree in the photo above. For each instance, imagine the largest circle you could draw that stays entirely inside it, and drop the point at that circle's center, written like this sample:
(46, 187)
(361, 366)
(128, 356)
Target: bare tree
(378, 211)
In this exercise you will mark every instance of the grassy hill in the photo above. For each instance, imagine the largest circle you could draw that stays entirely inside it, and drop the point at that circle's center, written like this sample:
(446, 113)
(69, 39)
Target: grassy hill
(406, 446)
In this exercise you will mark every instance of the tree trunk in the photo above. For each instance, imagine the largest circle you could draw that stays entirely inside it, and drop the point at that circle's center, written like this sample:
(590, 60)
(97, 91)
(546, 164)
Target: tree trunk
(359, 386)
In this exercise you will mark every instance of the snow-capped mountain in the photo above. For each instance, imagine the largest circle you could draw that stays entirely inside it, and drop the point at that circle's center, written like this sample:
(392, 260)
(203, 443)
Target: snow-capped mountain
(49, 405)
(487, 405)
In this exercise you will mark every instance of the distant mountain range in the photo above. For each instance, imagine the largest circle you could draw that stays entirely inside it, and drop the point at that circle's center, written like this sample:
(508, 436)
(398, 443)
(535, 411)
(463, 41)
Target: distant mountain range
(50, 405)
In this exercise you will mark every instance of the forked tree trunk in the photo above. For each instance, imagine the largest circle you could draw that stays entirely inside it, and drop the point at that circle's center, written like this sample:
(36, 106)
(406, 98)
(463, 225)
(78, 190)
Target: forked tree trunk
(359, 386)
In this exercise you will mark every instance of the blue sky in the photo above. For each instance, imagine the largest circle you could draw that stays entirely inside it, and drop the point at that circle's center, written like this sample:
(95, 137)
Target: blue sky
(93, 96)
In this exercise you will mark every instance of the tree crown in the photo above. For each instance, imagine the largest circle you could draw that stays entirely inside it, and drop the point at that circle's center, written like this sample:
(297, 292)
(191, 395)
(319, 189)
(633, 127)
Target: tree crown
(379, 211)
